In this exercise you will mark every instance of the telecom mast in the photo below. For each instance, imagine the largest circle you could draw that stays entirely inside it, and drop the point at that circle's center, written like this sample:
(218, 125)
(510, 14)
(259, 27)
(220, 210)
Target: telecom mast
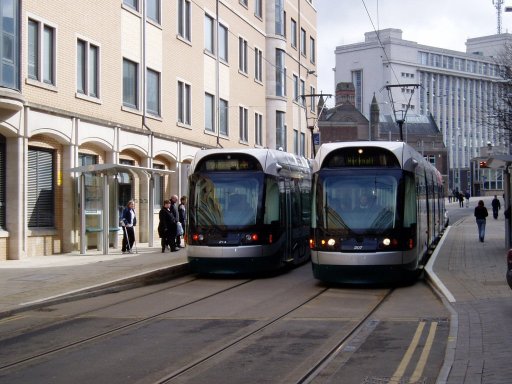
(497, 5)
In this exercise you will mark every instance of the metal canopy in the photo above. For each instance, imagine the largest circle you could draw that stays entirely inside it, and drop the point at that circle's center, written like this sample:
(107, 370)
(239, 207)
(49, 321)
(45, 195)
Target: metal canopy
(106, 170)
(114, 169)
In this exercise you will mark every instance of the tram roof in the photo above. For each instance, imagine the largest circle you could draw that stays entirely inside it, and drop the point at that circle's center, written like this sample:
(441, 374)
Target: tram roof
(403, 152)
(268, 158)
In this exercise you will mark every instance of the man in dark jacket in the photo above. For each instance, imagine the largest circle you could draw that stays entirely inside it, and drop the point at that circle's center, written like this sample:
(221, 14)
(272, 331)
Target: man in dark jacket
(496, 206)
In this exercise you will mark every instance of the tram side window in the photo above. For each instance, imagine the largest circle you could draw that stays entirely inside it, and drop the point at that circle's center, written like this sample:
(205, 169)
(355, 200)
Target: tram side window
(409, 202)
(271, 202)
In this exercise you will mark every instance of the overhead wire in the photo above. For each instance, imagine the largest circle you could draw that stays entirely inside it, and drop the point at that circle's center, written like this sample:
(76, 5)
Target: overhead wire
(376, 30)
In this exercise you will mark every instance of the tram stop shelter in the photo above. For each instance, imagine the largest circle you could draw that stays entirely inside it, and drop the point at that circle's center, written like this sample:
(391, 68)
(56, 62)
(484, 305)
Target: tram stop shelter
(504, 162)
(99, 210)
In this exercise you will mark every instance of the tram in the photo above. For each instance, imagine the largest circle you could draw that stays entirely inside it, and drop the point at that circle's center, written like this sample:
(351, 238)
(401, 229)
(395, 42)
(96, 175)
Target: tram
(378, 209)
(249, 211)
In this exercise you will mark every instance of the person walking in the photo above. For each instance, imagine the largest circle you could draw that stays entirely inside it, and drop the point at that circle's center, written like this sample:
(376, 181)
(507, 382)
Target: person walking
(128, 221)
(480, 214)
(182, 218)
(165, 226)
(460, 197)
(174, 213)
(496, 206)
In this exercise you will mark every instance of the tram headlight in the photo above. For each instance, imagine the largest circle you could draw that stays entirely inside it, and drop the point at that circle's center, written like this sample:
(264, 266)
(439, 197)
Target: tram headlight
(331, 242)
(386, 241)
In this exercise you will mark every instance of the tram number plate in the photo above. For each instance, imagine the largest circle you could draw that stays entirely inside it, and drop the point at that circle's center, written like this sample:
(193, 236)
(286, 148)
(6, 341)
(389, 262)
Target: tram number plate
(367, 244)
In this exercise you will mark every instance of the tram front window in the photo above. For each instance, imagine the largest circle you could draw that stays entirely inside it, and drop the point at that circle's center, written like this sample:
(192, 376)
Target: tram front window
(226, 200)
(358, 203)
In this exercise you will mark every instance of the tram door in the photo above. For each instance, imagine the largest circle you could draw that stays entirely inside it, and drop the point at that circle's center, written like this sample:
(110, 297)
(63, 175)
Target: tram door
(286, 219)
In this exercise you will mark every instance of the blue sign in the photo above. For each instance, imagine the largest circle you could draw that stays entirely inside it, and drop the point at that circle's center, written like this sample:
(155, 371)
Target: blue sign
(316, 138)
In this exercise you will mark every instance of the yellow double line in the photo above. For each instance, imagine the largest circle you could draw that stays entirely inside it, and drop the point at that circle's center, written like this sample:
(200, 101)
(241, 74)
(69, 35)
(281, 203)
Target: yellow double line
(420, 366)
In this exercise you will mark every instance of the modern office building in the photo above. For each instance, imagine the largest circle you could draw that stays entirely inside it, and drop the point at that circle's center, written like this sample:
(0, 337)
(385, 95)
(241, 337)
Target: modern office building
(106, 101)
(454, 87)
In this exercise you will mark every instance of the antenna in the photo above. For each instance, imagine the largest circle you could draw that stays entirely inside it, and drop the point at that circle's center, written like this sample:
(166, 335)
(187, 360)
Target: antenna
(497, 5)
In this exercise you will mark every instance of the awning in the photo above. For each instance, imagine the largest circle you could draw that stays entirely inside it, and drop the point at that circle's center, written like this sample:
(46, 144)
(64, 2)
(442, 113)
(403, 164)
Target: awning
(114, 169)
(499, 161)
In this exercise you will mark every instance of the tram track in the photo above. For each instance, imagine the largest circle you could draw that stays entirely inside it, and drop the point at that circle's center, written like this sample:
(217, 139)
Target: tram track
(302, 326)
(109, 332)
(311, 373)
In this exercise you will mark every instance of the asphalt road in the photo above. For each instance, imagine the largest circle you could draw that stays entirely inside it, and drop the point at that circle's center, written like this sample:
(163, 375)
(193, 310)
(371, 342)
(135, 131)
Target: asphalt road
(273, 329)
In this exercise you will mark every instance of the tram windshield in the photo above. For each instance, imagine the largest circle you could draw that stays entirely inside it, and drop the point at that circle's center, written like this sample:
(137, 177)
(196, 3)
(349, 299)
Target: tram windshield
(225, 199)
(359, 203)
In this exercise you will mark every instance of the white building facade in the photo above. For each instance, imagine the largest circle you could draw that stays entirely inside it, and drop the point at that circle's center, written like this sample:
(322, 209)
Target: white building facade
(456, 88)
(144, 84)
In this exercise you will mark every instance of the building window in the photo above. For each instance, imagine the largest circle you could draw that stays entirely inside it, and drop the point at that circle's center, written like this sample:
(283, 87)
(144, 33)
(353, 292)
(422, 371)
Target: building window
(258, 64)
(357, 80)
(153, 10)
(280, 73)
(184, 100)
(9, 44)
(295, 142)
(208, 112)
(223, 43)
(302, 92)
(130, 84)
(312, 99)
(303, 42)
(243, 124)
(293, 33)
(209, 44)
(184, 19)
(40, 193)
(134, 4)
(296, 88)
(87, 68)
(312, 50)
(258, 128)
(41, 52)
(280, 130)
(302, 144)
(244, 2)
(242, 54)
(279, 9)
(258, 8)
(153, 92)
(223, 117)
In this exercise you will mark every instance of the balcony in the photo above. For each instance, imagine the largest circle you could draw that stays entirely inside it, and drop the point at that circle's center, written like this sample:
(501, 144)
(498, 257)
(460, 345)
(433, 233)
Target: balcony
(11, 102)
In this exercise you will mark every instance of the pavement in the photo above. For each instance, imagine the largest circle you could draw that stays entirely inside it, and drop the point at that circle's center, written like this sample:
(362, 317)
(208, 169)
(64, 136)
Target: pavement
(468, 275)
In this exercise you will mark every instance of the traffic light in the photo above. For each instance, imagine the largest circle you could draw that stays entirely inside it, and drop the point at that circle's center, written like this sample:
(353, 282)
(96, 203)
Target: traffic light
(483, 164)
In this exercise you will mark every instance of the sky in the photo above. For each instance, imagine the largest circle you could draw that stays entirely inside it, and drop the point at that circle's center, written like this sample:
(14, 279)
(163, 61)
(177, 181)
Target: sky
(438, 23)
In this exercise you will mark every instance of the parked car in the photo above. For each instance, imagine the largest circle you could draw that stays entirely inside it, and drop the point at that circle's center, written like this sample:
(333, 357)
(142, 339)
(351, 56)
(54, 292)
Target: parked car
(509, 268)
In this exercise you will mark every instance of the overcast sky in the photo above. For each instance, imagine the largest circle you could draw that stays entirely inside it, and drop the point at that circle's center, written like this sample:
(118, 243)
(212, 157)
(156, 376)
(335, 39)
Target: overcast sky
(438, 23)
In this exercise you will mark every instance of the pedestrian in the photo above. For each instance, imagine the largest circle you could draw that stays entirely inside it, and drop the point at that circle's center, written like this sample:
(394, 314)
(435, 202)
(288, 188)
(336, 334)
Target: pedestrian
(182, 218)
(460, 196)
(467, 196)
(128, 221)
(165, 226)
(174, 213)
(496, 206)
(481, 214)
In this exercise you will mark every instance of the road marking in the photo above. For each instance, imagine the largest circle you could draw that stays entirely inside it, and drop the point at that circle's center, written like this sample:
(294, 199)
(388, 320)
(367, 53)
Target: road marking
(418, 371)
(431, 274)
(4, 321)
(397, 376)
